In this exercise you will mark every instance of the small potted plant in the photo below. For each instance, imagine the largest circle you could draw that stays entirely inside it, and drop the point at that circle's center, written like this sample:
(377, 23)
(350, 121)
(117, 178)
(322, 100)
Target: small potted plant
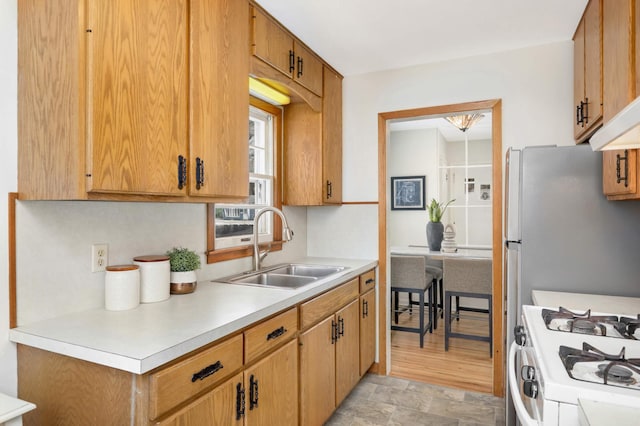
(435, 228)
(184, 263)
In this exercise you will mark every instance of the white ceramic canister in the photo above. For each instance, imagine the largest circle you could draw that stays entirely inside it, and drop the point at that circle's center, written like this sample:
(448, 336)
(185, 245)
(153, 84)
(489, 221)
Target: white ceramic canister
(121, 287)
(155, 276)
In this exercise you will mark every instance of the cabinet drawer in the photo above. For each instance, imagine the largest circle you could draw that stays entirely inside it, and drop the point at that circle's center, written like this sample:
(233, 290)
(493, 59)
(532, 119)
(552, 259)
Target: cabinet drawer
(326, 304)
(181, 381)
(269, 334)
(367, 281)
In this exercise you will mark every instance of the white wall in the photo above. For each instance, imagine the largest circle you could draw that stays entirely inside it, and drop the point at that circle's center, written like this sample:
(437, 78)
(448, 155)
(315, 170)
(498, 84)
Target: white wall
(412, 153)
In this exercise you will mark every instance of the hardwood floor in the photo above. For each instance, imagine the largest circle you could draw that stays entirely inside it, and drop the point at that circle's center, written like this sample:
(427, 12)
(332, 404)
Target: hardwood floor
(466, 365)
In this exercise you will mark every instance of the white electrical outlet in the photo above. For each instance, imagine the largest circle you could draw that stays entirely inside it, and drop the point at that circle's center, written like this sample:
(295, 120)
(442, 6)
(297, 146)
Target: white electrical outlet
(99, 257)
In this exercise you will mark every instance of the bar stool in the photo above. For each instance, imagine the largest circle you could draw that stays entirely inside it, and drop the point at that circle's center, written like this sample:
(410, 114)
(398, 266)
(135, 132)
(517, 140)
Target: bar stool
(408, 275)
(467, 278)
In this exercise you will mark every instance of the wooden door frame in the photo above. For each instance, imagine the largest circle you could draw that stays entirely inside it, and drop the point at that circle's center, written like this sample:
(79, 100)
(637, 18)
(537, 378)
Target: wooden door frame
(495, 106)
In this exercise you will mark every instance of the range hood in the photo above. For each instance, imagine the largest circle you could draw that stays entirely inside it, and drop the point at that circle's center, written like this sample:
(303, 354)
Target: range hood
(621, 132)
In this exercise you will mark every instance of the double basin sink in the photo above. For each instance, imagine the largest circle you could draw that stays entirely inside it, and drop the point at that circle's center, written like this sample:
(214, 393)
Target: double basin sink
(289, 275)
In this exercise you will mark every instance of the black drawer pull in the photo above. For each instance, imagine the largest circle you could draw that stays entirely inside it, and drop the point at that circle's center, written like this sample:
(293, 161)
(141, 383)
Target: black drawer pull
(207, 371)
(369, 281)
(619, 176)
(276, 333)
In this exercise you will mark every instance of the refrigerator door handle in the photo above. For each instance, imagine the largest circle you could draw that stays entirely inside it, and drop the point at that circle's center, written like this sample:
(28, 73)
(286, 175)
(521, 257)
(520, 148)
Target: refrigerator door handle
(507, 243)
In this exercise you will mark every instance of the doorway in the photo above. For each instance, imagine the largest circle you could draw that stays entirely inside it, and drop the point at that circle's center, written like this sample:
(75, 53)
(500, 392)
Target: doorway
(384, 119)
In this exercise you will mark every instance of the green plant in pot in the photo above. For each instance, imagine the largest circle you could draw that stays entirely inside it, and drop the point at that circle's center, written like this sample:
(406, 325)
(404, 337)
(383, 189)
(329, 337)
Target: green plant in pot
(435, 228)
(184, 263)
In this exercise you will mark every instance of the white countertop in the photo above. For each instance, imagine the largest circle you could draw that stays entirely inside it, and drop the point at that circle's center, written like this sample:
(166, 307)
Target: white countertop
(595, 413)
(141, 339)
(11, 408)
(581, 302)
(425, 251)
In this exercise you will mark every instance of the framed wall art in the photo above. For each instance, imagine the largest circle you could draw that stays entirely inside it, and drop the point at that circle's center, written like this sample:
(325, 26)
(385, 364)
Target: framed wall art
(408, 193)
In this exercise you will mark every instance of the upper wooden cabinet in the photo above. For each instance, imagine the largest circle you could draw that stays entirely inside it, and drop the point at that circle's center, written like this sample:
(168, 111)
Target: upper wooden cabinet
(587, 92)
(103, 110)
(332, 137)
(313, 148)
(276, 46)
(219, 109)
(620, 167)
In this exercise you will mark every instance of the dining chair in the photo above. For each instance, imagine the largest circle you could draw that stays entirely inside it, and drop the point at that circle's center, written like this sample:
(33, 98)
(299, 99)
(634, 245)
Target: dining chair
(470, 278)
(408, 275)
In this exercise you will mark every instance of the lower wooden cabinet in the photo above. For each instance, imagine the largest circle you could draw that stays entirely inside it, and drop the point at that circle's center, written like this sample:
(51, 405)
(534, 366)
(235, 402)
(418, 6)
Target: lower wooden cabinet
(329, 363)
(367, 330)
(271, 389)
(219, 407)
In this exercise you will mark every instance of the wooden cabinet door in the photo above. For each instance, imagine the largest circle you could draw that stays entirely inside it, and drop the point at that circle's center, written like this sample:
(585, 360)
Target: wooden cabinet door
(308, 71)
(136, 95)
(618, 61)
(216, 408)
(619, 163)
(272, 43)
(367, 330)
(332, 137)
(578, 79)
(317, 373)
(593, 63)
(347, 350)
(219, 99)
(271, 389)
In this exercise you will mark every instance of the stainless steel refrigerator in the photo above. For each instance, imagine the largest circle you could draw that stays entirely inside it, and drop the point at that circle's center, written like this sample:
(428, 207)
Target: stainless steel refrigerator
(561, 232)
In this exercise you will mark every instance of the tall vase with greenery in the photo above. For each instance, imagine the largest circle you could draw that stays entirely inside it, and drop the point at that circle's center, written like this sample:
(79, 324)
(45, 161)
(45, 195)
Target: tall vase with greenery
(184, 263)
(435, 228)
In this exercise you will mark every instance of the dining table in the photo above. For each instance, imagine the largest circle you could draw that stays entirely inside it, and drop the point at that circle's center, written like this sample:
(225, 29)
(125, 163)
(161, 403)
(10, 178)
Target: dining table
(461, 252)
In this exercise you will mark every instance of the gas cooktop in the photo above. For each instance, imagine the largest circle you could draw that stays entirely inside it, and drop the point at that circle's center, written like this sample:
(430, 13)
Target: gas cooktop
(597, 325)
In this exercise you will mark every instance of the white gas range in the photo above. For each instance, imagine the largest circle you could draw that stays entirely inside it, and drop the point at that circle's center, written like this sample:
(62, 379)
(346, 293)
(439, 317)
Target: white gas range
(546, 386)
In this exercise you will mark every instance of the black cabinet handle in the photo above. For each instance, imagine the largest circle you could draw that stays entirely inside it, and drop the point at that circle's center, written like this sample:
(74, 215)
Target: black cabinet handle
(341, 322)
(369, 281)
(579, 119)
(207, 371)
(365, 309)
(300, 65)
(276, 333)
(199, 172)
(329, 189)
(619, 177)
(182, 171)
(240, 401)
(292, 61)
(253, 392)
(334, 332)
(584, 108)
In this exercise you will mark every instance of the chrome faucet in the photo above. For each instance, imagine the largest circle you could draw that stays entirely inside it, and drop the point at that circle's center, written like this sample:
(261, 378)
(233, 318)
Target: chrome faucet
(287, 234)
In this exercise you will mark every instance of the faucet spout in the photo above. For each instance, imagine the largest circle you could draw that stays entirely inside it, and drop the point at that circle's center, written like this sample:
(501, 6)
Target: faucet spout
(287, 234)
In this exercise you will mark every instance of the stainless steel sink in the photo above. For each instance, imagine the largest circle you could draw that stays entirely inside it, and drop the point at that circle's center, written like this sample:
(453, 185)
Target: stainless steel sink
(275, 280)
(316, 271)
(290, 275)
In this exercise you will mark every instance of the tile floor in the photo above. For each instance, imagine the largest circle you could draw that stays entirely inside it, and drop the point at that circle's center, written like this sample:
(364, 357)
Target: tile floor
(384, 400)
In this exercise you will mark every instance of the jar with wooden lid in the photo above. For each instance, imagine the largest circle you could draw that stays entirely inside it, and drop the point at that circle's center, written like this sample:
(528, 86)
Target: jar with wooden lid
(155, 276)
(121, 287)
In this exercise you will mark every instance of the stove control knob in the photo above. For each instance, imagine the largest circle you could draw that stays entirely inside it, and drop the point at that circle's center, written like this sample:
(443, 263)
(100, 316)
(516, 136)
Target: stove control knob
(528, 372)
(520, 335)
(530, 388)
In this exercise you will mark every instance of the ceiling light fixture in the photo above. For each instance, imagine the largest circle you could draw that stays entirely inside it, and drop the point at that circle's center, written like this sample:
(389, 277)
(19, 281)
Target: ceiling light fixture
(466, 121)
(267, 93)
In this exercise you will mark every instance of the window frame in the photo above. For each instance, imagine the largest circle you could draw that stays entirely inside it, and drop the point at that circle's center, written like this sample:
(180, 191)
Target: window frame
(219, 255)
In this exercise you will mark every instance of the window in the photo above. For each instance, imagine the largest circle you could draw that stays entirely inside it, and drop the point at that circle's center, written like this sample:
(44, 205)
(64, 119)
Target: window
(230, 226)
